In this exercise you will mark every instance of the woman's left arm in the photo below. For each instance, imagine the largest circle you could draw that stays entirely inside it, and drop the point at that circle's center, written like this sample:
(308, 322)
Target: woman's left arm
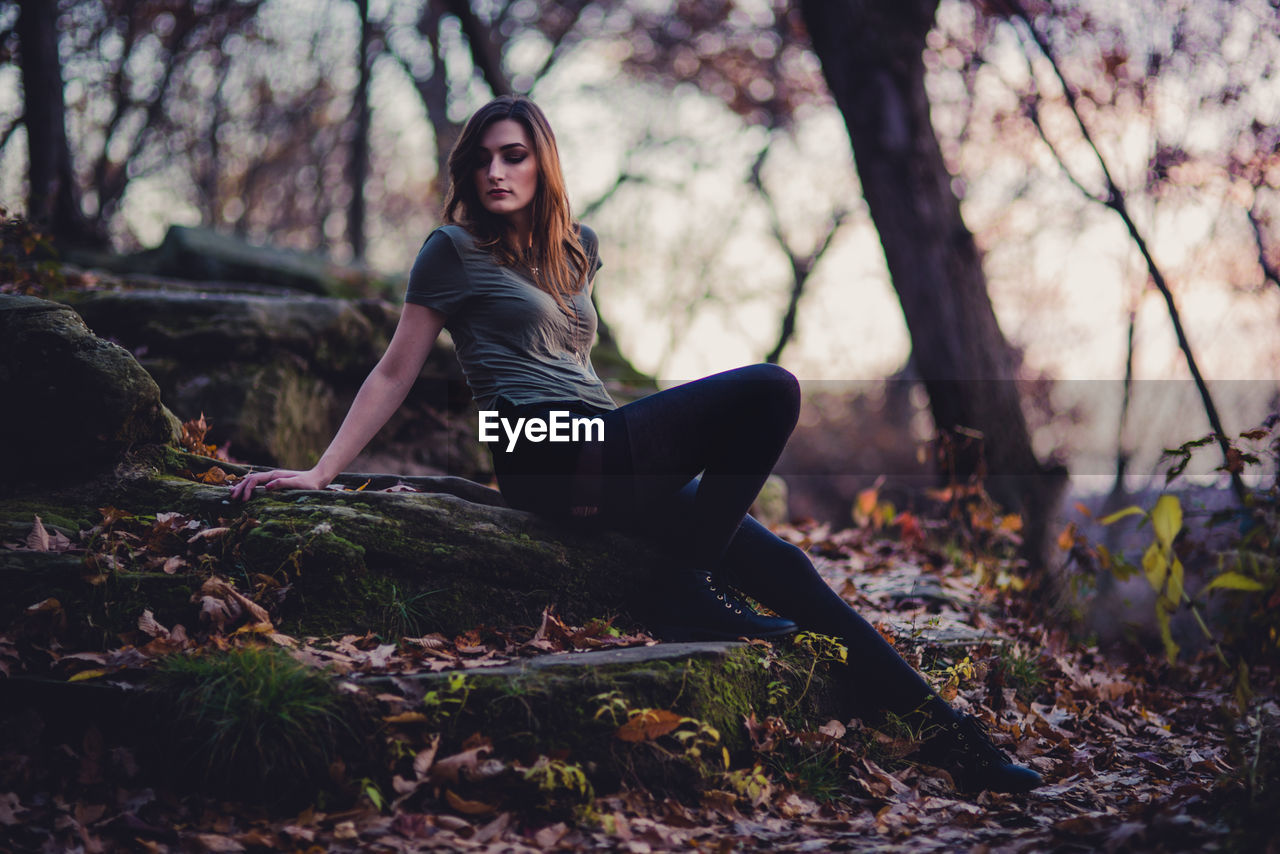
(379, 397)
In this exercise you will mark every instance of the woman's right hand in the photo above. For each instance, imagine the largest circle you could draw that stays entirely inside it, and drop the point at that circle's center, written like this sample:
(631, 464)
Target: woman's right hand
(277, 479)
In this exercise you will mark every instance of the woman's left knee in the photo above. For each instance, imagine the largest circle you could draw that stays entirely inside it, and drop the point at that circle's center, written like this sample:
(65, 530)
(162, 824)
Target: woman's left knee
(778, 385)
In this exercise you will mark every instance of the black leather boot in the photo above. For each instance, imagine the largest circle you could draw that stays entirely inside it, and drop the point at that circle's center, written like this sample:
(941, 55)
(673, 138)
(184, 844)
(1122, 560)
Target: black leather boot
(965, 749)
(694, 606)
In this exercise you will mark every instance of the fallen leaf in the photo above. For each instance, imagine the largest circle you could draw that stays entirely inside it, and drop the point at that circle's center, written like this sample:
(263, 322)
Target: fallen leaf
(460, 766)
(423, 760)
(218, 844)
(207, 534)
(10, 807)
(148, 625)
(467, 807)
(550, 835)
(647, 725)
(833, 728)
(38, 539)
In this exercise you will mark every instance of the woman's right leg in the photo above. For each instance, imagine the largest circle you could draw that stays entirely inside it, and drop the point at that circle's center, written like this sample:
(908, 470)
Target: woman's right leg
(781, 576)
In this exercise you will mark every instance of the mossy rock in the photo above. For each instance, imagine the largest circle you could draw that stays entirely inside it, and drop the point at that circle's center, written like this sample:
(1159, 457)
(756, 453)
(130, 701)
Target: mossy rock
(343, 556)
(74, 402)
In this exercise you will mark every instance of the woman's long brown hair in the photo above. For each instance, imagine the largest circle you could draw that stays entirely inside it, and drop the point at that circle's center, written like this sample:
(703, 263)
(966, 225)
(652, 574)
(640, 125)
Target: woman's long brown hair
(557, 252)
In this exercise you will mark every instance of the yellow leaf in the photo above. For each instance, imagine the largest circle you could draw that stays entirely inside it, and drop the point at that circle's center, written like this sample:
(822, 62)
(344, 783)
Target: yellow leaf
(1234, 581)
(1156, 566)
(1167, 520)
(87, 674)
(1175, 582)
(1166, 635)
(361, 487)
(406, 718)
(1120, 514)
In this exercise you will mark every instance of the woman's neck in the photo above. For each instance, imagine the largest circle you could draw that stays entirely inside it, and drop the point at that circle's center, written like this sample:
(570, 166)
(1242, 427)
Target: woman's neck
(520, 226)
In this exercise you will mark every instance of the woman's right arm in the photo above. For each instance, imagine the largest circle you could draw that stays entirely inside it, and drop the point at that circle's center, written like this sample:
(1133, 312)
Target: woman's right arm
(379, 397)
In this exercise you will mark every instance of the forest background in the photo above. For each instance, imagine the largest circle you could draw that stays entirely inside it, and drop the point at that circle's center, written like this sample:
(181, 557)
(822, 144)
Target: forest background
(703, 143)
(1050, 226)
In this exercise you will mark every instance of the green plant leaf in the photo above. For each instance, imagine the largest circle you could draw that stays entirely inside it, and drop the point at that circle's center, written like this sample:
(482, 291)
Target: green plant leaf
(1133, 510)
(1234, 581)
(1167, 520)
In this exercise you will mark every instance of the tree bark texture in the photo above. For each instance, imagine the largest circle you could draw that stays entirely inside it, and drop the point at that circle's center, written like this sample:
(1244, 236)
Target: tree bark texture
(52, 201)
(871, 54)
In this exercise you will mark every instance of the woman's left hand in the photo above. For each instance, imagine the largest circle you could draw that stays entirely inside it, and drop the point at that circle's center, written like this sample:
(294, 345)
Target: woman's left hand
(277, 479)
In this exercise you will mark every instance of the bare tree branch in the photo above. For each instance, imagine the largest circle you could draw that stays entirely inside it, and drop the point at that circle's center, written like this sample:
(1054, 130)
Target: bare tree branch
(1115, 200)
(484, 52)
(560, 42)
(8, 132)
(801, 265)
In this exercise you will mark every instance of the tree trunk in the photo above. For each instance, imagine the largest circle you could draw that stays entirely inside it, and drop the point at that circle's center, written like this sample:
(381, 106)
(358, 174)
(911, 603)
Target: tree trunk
(871, 57)
(358, 166)
(52, 201)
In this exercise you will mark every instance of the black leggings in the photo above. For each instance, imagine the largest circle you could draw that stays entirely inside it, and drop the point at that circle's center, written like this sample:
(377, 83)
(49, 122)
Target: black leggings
(730, 427)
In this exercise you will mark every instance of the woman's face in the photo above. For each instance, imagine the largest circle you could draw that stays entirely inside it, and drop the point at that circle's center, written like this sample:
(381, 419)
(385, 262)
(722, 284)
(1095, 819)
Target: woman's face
(506, 172)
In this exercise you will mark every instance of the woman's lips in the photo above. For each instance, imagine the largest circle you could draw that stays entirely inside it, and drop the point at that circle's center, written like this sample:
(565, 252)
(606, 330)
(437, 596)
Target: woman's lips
(499, 192)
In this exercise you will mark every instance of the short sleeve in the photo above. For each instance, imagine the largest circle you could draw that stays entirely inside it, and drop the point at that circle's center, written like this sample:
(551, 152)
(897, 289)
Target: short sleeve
(438, 279)
(590, 245)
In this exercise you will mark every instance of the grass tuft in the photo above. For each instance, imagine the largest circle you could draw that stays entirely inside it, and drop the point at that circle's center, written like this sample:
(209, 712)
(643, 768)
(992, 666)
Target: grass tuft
(255, 723)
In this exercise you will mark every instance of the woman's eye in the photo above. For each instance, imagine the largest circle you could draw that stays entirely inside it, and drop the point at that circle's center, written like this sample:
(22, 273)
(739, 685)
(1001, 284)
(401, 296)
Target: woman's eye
(515, 158)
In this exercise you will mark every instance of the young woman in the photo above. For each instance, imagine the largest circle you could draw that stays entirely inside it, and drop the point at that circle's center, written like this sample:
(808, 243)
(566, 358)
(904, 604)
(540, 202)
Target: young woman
(510, 275)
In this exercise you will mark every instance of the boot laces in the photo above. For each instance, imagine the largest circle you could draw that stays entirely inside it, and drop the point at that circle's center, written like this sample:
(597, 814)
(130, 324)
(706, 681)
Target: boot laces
(975, 744)
(731, 601)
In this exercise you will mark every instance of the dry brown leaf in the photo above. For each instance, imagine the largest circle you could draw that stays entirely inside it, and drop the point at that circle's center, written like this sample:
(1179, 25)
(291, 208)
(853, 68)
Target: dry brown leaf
(148, 625)
(647, 725)
(217, 611)
(10, 807)
(38, 539)
(423, 761)
(207, 534)
(467, 807)
(460, 766)
(833, 728)
(215, 476)
(493, 830)
(460, 826)
(550, 835)
(217, 843)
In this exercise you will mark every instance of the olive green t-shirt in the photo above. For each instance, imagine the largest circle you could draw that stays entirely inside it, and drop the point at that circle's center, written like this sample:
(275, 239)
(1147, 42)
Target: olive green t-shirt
(512, 340)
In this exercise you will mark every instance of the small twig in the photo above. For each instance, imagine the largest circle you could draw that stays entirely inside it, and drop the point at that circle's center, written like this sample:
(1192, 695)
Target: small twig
(1269, 271)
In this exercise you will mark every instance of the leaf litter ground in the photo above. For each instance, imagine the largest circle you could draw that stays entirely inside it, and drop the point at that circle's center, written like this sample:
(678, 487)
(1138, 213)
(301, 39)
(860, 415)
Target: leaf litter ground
(1135, 753)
